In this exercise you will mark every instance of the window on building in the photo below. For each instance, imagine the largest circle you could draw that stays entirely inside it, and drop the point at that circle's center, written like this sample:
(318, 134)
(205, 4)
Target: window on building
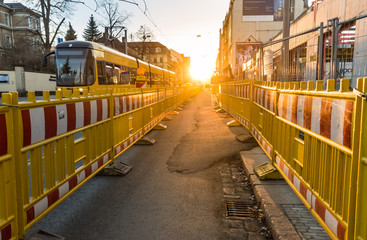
(6, 19)
(147, 50)
(30, 22)
(37, 21)
(158, 50)
(8, 41)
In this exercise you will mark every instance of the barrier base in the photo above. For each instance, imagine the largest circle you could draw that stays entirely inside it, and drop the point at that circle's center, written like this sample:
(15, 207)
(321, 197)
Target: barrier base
(160, 126)
(178, 109)
(145, 141)
(220, 110)
(267, 171)
(246, 138)
(116, 169)
(166, 118)
(173, 113)
(233, 123)
(42, 234)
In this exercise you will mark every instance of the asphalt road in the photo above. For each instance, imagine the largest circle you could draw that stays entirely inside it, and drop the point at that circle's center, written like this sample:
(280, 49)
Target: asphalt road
(173, 192)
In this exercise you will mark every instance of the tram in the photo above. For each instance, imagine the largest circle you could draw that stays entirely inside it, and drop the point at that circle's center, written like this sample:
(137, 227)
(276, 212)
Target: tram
(88, 65)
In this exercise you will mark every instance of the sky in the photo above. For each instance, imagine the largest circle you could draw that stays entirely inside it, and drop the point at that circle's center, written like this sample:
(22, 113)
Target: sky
(190, 27)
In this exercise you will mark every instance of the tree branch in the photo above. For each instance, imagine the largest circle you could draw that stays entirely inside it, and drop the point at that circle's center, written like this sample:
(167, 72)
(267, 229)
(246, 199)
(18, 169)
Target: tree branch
(57, 29)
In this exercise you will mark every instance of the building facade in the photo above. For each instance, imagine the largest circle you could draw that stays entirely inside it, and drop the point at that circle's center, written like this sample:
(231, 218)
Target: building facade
(246, 26)
(19, 29)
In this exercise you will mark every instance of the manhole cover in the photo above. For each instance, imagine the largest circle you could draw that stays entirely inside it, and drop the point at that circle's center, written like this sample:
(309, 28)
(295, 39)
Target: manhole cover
(239, 210)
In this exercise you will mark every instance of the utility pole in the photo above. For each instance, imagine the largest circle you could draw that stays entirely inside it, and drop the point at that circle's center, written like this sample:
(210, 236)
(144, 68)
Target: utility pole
(285, 47)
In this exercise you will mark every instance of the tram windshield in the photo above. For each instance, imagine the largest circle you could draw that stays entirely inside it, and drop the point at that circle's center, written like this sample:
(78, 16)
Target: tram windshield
(75, 67)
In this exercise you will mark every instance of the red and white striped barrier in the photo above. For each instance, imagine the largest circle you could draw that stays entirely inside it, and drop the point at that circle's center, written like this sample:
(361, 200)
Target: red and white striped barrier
(243, 91)
(5, 233)
(320, 115)
(264, 98)
(239, 118)
(43, 204)
(128, 142)
(125, 104)
(3, 136)
(42, 123)
(169, 93)
(162, 96)
(329, 219)
(150, 98)
(267, 147)
(152, 123)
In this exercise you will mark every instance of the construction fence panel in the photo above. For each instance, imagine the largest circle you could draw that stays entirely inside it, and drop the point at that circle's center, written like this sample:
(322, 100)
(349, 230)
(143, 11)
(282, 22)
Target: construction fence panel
(8, 211)
(312, 136)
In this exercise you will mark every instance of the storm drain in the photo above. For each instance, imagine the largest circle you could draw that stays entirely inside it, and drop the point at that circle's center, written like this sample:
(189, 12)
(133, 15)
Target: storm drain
(239, 210)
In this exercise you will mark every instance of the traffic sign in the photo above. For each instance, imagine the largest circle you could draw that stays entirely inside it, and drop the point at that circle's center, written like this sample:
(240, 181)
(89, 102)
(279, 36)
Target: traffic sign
(140, 71)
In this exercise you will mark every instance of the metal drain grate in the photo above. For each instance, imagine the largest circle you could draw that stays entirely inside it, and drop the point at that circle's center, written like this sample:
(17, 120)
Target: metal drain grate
(239, 210)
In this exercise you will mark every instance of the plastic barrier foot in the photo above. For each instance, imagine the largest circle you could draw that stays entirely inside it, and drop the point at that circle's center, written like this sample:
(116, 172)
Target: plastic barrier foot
(173, 113)
(233, 123)
(145, 141)
(220, 111)
(42, 234)
(246, 138)
(178, 109)
(166, 118)
(267, 171)
(116, 169)
(160, 126)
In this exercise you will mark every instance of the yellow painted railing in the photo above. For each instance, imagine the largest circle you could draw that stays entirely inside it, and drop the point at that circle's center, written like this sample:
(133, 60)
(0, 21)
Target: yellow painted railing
(315, 138)
(51, 147)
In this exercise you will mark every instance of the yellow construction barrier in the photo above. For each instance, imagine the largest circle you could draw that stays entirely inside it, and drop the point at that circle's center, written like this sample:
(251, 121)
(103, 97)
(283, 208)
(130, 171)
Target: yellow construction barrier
(315, 139)
(61, 143)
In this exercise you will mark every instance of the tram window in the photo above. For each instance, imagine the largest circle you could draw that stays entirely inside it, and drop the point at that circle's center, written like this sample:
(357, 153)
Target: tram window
(133, 75)
(125, 77)
(89, 69)
(101, 72)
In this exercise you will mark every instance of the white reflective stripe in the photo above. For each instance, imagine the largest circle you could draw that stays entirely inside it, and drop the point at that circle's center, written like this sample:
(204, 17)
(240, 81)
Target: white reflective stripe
(81, 176)
(272, 101)
(315, 117)
(296, 183)
(104, 109)
(136, 101)
(313, 201)
(337, 120)
(280, 105)
(300, 110)
(125, 144)
(37, 116)
(117, 106)
(286, 170)
(289, 108)
(124, 107)
(94, 166)
(309, 197)
(130, 102)
(62, 119)
(331, 221)
(40, 207)
(105, 159)
(93, 111)
(118, 149)
(79, 111)
(63, 189)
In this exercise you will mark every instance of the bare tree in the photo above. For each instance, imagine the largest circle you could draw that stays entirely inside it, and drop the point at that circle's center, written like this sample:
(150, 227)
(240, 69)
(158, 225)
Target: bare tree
(53, 13)
(115, 18)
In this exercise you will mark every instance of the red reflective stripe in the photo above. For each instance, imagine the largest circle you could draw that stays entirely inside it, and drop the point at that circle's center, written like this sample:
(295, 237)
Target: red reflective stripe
(73, 182)
(285, 105)
(99, 110)
(325, 117)
(128, 103)
(87, 113)
(303, 190)
(3, 136)
(71, 112)
(53, 197)
(50, 122)
(341, 232)
(27, 131)
(294, 109)
(88, 171)
(320, 209)
(6, 233)
(347, 123)
(30, 214)
(307, 114)
(121, 105)
(100, 162)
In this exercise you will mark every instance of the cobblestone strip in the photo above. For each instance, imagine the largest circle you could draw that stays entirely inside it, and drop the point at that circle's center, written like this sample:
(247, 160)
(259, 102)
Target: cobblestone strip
(304, 222)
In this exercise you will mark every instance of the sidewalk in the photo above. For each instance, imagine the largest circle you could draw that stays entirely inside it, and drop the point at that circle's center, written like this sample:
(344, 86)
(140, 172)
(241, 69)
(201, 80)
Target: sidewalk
(286, 215)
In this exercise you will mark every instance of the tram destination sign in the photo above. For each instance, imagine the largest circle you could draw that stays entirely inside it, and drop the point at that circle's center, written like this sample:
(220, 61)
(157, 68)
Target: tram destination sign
(262, 10)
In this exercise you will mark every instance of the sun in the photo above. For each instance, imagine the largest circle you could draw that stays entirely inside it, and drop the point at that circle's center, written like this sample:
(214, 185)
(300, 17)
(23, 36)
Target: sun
(201, 71)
